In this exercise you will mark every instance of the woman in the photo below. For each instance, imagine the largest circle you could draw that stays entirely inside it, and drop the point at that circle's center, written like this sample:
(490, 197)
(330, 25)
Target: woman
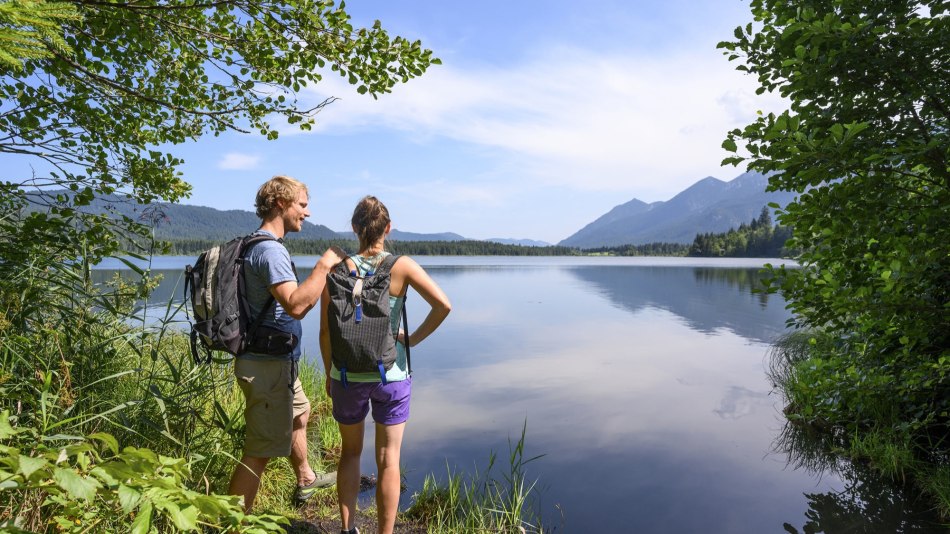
(389, 398)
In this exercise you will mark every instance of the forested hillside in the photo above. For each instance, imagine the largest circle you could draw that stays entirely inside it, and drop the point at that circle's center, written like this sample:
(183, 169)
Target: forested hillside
(173, 222)
(757, 239)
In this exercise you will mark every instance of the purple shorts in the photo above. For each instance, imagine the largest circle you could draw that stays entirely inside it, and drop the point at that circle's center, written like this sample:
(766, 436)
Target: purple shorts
(390, 402)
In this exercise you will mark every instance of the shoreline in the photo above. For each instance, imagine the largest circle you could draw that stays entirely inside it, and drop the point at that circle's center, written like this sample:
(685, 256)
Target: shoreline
(303, 261)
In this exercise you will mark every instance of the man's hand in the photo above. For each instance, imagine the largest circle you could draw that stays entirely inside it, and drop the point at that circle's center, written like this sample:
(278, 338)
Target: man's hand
(331, 258)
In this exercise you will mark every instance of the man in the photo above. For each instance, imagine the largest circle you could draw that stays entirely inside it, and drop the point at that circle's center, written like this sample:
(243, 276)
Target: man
(276, 408)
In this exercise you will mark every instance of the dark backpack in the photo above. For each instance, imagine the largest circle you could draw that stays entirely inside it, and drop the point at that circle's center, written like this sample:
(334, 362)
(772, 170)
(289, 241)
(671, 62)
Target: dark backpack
(361, 336)
(215, 288)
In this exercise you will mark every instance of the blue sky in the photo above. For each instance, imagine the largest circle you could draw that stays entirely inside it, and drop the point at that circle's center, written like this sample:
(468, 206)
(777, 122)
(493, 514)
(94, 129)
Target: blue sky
(543, 116)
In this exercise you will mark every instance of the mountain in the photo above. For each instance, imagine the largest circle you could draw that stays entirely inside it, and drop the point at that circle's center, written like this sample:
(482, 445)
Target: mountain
(399, 235)
(182, 221)
(709, 205)
(521, 242)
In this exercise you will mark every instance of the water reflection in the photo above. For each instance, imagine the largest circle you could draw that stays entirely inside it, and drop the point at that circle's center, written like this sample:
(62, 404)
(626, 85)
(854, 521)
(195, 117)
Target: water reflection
(867, 503)
(643, 386)
(739, 402)
(745, 280)
(707, 299)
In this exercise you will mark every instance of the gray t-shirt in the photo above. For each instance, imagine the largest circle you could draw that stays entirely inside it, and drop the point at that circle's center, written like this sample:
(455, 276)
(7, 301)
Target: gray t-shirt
(266, 264)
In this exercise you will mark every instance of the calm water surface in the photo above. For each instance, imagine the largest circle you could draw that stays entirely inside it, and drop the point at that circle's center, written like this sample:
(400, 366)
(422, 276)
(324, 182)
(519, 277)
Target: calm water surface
(641, 381)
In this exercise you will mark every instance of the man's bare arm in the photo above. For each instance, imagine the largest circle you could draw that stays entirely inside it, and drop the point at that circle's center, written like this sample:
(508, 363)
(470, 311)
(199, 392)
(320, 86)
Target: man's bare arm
(296, 299)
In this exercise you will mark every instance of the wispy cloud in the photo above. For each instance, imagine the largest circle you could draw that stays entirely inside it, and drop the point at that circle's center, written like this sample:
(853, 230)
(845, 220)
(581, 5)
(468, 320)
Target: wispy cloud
(573, 117)
(235, 161)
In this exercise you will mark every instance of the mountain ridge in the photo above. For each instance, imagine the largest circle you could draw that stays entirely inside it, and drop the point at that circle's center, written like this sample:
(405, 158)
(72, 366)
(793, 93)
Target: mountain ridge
(709, 205)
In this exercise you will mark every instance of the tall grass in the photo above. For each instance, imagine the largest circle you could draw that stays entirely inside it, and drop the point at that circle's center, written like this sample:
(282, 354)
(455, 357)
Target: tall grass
(481, 502)
(107, 424)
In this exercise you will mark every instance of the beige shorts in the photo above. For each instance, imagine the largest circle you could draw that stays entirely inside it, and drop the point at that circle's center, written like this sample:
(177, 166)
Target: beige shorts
(270, 405)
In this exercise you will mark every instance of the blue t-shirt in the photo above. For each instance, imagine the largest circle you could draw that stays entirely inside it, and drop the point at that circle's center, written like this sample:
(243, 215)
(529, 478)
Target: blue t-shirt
(266, 264)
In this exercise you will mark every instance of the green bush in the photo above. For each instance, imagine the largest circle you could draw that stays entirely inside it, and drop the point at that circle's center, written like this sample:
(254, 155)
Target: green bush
(87, 484)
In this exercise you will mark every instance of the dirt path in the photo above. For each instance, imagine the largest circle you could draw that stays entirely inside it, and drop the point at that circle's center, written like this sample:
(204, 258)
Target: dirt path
(367, 525)
(312, 522)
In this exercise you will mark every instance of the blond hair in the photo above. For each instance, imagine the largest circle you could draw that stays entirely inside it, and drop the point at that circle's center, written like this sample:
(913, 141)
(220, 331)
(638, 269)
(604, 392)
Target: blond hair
(273, 191)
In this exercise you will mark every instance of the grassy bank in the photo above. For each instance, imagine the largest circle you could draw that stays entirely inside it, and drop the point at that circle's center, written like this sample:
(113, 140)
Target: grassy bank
(863, 415)
(106, 424)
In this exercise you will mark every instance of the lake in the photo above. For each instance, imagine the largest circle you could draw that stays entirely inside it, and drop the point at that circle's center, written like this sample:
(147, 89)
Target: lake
(641, 381)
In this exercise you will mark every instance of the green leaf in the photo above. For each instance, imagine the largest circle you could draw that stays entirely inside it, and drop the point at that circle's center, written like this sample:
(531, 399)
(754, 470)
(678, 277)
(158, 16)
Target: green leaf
(142, 523)
(129, 498)
(30, 465)
(6, 430)
(837, 132)
(729, 145)
(185, 518)
(108, 440)
(77, 486)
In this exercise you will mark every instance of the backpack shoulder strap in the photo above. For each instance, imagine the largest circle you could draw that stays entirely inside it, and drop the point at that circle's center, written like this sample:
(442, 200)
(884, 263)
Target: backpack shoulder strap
(252, 239)
(249, 241)
(344, 267)
(387, 264)
(405, 329)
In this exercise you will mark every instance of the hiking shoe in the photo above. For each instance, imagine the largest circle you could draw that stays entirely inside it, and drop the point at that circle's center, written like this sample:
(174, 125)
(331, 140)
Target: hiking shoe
(353, 530)
(322, 480)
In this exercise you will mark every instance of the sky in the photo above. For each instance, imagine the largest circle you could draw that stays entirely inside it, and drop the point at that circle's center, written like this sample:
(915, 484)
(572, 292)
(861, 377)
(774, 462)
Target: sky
(542, 117)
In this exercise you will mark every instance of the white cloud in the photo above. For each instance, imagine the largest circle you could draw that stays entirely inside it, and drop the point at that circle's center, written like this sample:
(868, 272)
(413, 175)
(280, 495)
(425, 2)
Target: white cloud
(235, 161)
(574, 117)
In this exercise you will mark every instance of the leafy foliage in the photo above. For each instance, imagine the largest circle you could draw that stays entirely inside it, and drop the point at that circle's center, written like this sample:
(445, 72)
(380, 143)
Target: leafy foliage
(30, 28)
(92, 94)
(866, 143)
(73, 388)
(89, 484)
(100, 85)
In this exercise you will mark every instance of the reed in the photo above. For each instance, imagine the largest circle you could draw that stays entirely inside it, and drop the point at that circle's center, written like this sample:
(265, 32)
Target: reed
(481, 502)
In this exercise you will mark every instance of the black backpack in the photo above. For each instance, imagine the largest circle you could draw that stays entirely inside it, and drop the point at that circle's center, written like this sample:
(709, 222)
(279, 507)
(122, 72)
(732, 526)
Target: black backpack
(215, 288)
(361, 336)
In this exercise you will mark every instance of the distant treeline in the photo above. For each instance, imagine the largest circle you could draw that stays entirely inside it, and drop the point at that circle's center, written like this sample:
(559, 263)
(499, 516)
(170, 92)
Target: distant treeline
(758, 239)
(313, 247)
(413, 248)
(648, 249)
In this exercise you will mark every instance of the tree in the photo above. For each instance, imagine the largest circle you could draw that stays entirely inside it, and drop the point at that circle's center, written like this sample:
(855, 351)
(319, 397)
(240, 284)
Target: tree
(95, 93)
(765, 218)
(866, 143)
